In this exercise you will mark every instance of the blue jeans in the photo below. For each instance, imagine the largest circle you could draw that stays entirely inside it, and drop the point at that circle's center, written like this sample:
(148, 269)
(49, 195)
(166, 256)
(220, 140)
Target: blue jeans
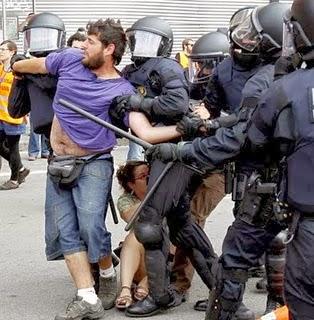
(75, 219)
(37, 145)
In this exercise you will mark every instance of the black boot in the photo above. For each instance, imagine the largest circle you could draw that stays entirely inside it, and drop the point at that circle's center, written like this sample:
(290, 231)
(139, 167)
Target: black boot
(144, 308)
(244, 313)
(257, 272)
(201, 305)
(273, 303)
(261, 285)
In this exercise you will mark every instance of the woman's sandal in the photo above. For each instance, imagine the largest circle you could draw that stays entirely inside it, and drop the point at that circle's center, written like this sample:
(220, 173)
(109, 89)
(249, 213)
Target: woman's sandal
(140, 293)
(122, 302)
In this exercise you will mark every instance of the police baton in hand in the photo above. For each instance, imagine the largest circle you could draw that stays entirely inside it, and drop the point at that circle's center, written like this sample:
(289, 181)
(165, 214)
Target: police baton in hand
(138, 141)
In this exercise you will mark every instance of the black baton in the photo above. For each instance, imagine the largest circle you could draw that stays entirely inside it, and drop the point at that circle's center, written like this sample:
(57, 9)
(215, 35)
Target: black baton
(148, 195)
(113, 210)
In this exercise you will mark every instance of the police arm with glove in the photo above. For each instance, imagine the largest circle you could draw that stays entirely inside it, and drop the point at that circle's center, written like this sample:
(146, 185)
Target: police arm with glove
(208, 152)
(172, 102)
(192, 126)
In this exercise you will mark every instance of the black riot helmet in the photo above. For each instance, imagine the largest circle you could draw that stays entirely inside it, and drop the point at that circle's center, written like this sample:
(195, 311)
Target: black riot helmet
(44, 33)
(207, 52)
(239, 16)
(242, 57)
(299, 28)
(261, 33)
(150, 37)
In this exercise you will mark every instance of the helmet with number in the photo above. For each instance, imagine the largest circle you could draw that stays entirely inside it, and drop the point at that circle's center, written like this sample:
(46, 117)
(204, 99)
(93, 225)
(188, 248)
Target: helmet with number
(261, 33)
(44, 33)
(299, 28)
(150, 37)
(207, 52)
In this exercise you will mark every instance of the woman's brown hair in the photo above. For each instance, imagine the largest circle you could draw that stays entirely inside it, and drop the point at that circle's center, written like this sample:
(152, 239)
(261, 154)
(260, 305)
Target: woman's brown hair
(125, 173)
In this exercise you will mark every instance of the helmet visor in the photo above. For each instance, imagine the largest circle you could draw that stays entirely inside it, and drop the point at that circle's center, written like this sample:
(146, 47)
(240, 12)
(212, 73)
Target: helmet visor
(239, 17)
(42, 39)
(288, 46)
(143, 43)
(201, 69)
(246, 36)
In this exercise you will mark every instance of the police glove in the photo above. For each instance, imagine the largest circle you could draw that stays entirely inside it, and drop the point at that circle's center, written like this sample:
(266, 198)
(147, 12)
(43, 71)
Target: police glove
(189, 126)
(137, 102)
(165, 152)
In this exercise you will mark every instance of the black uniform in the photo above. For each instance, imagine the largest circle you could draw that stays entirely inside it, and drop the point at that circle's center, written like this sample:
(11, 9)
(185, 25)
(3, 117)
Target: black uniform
(38, 92)
(163, 81)
(283, 116)
(224, 91)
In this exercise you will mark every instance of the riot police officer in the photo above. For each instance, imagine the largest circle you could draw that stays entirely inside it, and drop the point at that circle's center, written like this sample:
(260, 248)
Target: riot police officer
(163, 97)
(284, 119)
(208, 51)
(224, 89)
(43, 34)
(255, 225)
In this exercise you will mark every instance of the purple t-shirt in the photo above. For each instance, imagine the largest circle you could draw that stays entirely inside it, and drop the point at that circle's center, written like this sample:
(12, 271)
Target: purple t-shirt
(78, 85)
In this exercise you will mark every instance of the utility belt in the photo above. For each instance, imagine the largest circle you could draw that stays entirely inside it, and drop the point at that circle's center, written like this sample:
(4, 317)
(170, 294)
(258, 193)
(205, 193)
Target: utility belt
(65, 170)
(237, 183)
(254, 198)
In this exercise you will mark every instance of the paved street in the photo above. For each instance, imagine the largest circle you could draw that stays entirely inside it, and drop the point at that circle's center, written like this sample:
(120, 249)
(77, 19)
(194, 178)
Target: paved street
(33, 289)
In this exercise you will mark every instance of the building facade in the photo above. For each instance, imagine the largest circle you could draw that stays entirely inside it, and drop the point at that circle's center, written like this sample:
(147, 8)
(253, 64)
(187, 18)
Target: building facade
(188, 18)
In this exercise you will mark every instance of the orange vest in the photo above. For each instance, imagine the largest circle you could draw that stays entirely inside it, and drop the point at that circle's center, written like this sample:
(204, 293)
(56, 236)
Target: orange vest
(6, 80)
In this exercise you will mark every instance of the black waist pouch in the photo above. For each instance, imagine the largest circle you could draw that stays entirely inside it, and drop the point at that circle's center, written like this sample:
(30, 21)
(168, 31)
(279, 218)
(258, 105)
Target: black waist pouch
(65, 170)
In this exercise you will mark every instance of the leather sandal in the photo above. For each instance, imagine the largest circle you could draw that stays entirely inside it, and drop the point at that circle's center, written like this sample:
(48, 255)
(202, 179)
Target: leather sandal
(140, 293)
(124, 301)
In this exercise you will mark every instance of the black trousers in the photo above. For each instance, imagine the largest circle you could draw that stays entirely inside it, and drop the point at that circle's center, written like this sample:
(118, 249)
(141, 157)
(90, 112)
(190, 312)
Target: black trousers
(9, 150)
(172, 201)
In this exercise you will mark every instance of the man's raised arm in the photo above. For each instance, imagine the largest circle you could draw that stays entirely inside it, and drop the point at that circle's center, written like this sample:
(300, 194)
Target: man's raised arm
(35, 66)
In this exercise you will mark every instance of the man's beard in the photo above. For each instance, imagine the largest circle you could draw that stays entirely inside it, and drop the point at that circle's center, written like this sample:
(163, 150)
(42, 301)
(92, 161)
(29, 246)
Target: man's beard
(95, 62)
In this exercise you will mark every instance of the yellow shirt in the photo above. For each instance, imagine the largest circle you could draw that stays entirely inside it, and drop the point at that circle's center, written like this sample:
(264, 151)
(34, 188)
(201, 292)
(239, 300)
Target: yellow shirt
(6, 80)
(183, 59)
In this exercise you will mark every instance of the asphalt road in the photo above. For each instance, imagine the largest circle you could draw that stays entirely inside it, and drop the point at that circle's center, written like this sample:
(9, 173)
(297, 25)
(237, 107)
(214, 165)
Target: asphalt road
(33, 289)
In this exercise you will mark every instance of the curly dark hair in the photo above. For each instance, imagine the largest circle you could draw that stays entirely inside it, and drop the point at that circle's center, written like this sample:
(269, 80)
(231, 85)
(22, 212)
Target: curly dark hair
(125, 173)
(76, 36)
(109, 31)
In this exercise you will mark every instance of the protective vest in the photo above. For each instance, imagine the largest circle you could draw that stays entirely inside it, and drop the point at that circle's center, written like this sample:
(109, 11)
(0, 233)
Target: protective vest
(6, 80)
(298, 92)
(150, 78)
(163, 79)
(183, 60)
(232, 79)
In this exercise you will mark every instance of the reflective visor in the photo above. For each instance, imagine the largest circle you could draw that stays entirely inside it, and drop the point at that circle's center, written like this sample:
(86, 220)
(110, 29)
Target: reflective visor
(42, 39)
(246, 36)
(143, 43)
(288, 46)
(239, 17)
(201, 69)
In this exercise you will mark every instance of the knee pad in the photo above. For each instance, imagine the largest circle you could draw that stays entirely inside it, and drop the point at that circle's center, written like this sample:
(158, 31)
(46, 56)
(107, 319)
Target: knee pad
(230, 283)
(150, 235)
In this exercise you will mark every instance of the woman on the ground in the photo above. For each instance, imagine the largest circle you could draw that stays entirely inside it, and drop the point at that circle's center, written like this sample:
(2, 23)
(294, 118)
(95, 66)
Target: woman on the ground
(133, 178)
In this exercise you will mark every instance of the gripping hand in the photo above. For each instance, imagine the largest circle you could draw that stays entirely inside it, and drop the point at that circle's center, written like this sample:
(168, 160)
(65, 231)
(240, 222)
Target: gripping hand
(189, 126)
(165, 152)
